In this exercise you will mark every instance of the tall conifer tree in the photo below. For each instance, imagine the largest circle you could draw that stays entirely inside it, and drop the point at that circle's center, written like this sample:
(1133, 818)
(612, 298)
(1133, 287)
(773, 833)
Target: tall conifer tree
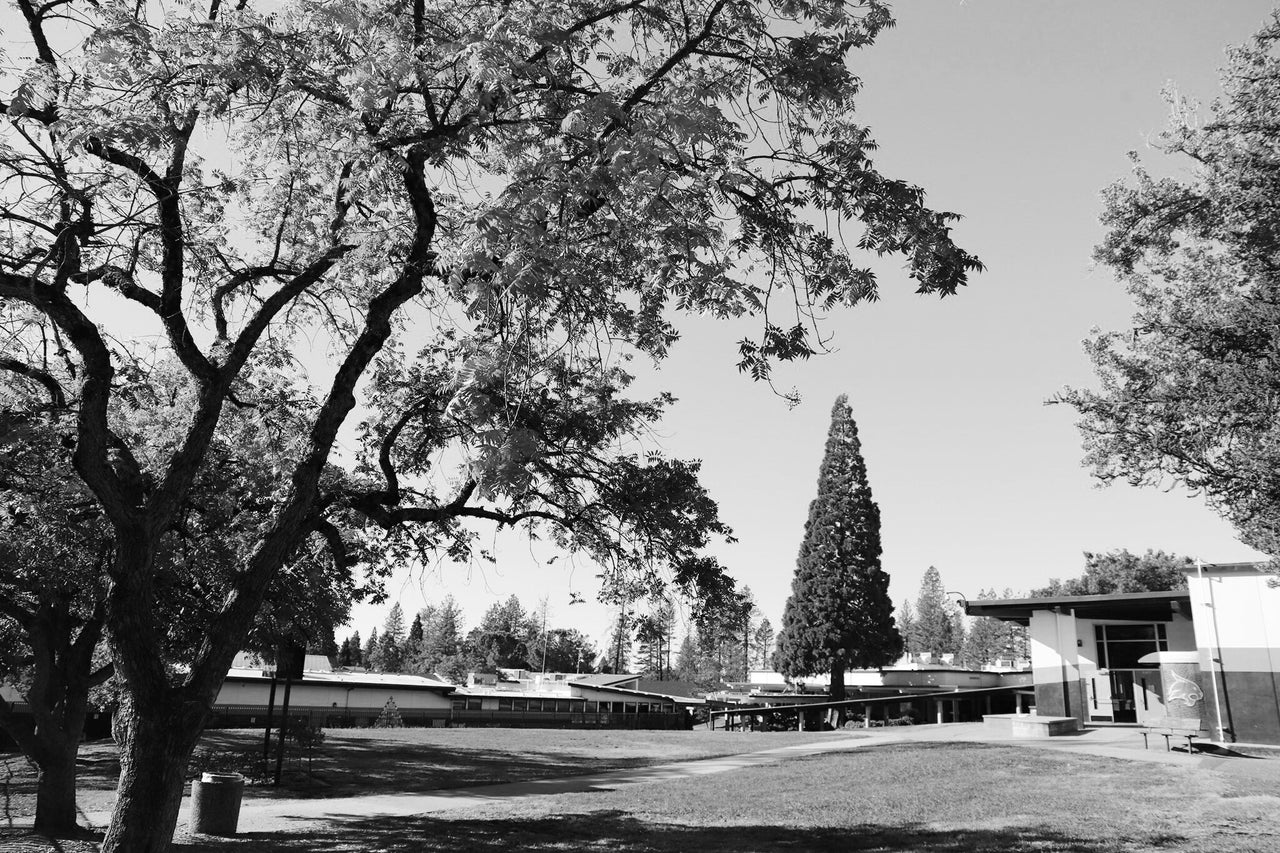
(839, 614)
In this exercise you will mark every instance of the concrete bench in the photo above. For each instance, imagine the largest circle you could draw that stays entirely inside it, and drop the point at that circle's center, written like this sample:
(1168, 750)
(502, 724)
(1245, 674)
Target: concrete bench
(1030, 725)
(1171, 727)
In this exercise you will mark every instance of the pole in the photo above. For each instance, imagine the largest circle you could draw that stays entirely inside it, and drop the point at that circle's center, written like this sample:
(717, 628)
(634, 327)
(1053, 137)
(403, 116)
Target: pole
(544, 636)
(271, 704)
(1217, 648)
(284, 727)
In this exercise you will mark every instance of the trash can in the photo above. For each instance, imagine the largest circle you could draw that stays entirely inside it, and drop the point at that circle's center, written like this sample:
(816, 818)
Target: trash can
(215, 803)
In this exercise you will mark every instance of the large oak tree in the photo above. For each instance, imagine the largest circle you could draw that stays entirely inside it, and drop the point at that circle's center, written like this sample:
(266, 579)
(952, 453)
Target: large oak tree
(476, 213)
(1191, 393)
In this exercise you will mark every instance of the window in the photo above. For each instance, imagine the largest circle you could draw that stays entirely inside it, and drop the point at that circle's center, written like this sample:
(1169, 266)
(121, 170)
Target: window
(504, 704)
(1120, 646)
(519, 704)
(562, 706)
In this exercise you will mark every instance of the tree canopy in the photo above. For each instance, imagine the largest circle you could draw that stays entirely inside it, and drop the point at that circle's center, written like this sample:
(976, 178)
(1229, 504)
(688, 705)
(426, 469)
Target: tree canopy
(839, 614)
(1191, 393)
(481, 211)
(1122, 571)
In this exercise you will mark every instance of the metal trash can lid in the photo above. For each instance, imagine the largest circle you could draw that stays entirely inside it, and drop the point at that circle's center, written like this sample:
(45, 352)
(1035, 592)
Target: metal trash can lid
(221, 777)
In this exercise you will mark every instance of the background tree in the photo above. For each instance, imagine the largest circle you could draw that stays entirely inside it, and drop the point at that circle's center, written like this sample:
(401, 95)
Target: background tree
(722, 645)
(58, 542)
(839, 614)
(984, 641)
(938, 625)
(506, 637)
(244, 176)
(1122, 571)
(569, 650)
(654, 633)
(413, 643)
(1191, 393)
(389, 654)
(444, 651)
(762, 644)
(906, 622)
(617, 656)
(53, 546)
(357, 649)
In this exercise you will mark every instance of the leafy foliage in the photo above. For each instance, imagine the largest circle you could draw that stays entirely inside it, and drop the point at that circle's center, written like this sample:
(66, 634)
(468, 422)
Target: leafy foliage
(1122, 571)
(839, 614)
(1189, 394)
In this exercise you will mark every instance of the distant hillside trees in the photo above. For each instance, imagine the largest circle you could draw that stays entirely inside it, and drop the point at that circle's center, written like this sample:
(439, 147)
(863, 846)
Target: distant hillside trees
(839, 614)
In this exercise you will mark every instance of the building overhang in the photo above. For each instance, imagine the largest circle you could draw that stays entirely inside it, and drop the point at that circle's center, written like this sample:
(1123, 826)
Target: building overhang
(1129, 606)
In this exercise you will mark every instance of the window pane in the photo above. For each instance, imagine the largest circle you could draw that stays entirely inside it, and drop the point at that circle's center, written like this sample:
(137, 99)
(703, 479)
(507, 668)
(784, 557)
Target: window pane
(1130, 632)
(1125, 655)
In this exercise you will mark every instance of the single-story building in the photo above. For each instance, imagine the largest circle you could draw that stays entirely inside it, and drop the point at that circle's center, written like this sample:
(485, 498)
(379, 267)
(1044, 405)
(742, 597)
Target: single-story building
(329, 697)
(326, 697)
(1106, 658)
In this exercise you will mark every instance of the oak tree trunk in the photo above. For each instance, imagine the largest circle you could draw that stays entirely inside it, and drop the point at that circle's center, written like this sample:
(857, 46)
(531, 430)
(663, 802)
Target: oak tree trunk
(158, 736)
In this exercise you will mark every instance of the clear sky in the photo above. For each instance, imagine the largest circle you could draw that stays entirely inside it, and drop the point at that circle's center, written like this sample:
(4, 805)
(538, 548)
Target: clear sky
(1015, 113)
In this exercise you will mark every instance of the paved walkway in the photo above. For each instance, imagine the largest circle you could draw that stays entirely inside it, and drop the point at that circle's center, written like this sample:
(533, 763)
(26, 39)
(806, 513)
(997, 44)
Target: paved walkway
(1124, 743)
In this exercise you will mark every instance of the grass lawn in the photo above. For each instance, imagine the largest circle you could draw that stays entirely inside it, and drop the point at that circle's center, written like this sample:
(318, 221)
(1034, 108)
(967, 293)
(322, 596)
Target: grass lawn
(362, 761)
(928, 797)
(933, 798)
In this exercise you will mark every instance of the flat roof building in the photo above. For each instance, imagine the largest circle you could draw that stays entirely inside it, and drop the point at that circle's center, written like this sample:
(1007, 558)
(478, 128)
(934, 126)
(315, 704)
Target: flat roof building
(1098, 657)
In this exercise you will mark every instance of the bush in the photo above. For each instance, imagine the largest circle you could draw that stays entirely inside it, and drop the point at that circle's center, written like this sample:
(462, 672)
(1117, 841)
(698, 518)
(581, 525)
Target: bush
(249, 763)
(307, 737)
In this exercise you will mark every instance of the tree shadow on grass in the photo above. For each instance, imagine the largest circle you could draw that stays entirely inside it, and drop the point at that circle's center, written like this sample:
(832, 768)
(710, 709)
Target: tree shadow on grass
(619, 832)
(349, 769)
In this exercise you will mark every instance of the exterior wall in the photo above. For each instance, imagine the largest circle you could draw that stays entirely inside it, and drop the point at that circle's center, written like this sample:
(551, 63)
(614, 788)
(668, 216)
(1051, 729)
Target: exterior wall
(359, 699)
(1239, 651)
(1055, 664)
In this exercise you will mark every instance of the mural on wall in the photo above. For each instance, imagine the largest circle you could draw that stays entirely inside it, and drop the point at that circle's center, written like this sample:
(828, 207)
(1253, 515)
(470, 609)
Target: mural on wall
(1184, 690)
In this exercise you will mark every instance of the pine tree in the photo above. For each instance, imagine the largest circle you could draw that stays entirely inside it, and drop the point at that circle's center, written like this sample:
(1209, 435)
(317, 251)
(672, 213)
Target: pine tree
(368, 655)
(411, 651)
(653, 634)
(762, 644)
(839, 614)
(344, 653)
(907, 626)
(939, 626)
(687, 659)
(617, 656)
(357, 650)
(984, 640)
(389, 651)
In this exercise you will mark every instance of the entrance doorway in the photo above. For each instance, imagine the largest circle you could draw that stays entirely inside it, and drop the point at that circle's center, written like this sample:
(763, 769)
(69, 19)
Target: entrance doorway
(1123, 708)
(1113, 697)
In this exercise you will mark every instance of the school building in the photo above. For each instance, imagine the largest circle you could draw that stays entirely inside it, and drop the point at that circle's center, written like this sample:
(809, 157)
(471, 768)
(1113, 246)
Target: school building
(1210, 651)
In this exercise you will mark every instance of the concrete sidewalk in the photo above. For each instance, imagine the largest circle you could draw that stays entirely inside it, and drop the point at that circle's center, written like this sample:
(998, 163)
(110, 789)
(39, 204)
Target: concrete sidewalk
(271, 815)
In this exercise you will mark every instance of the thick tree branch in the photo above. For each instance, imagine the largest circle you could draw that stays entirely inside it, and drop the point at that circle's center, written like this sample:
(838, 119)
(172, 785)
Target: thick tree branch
(56, 396)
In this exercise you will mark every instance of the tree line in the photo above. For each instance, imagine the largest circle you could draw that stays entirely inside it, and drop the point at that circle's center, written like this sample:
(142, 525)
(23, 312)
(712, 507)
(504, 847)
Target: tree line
(720, 643)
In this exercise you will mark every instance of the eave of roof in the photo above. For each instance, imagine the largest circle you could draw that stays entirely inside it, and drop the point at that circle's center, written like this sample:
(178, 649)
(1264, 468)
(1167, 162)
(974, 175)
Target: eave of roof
(1136, 606)
(352, 679)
